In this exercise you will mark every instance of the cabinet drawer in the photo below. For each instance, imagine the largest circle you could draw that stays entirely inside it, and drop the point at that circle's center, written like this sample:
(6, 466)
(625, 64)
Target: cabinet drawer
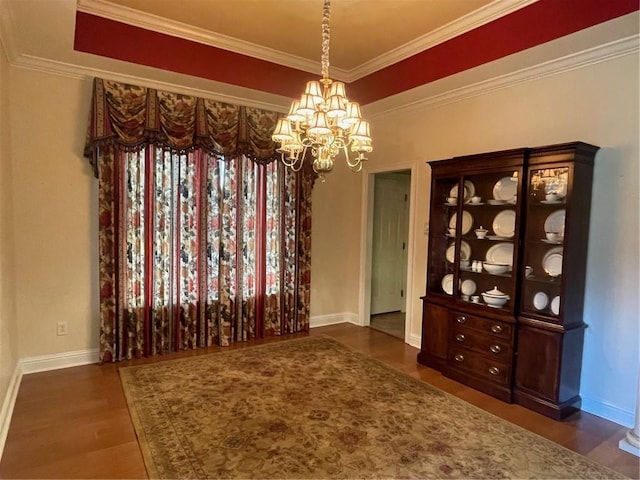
(479, 365)
(491, 327)
(491, 345)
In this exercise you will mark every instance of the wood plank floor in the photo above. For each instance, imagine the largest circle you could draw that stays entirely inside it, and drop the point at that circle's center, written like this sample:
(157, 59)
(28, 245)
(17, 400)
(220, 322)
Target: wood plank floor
(74, 423)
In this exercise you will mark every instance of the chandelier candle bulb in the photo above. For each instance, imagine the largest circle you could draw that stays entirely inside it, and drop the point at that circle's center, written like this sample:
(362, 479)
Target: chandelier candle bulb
(323, 121)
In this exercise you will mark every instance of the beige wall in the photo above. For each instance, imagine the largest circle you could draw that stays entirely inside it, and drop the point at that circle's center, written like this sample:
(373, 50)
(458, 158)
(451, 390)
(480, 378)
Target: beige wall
(8, 319)
(335, 247)
(54, 206)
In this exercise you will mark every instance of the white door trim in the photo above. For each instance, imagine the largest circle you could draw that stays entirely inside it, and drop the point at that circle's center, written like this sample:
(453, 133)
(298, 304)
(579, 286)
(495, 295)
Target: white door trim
(366, 234)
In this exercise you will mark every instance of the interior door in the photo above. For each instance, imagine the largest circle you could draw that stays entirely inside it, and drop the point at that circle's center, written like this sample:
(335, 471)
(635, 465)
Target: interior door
(390, 232)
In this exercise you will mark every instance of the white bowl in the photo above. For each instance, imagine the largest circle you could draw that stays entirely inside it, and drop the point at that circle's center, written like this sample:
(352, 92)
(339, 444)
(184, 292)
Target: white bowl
(495, 268)
(494, 301)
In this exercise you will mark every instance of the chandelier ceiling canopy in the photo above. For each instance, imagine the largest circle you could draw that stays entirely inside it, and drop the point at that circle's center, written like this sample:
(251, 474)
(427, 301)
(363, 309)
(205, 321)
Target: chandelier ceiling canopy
(323, 121)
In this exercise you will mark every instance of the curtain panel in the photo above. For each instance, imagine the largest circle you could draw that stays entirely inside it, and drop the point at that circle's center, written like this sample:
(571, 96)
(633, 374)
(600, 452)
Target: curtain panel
(204, 239)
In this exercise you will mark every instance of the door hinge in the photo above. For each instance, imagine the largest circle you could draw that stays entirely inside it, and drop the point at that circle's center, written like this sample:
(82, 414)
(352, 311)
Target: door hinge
(405, 197)
(404, 245)
(401, 293)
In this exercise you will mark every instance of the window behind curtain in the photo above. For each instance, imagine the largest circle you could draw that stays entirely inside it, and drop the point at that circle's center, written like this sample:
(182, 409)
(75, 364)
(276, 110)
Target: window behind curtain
(209, 251)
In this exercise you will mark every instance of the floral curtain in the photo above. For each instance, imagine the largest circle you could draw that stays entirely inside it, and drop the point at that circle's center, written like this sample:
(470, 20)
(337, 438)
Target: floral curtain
(204, 238)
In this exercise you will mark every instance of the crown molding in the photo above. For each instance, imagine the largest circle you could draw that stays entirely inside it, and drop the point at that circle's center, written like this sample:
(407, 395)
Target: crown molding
(80, 72)
(602, 53)
(136, 18)
(147, 21)
(475, 19)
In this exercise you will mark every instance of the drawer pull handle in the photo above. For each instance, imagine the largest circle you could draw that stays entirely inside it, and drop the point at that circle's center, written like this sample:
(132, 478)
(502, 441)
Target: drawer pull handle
(494, 370)
(495, 349)
(459, 358)
(496, 328)
(460, 337)
(462, 319)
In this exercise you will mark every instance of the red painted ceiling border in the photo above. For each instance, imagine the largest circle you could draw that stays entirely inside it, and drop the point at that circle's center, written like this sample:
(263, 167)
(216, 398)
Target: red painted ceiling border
(535, 24)
(109, 38)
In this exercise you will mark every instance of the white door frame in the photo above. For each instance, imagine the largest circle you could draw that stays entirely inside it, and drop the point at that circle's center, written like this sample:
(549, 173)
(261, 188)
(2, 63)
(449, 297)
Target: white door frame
(366, 235)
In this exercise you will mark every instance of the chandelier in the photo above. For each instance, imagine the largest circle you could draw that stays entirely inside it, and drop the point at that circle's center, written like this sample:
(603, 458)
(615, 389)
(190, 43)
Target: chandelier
(323, 121)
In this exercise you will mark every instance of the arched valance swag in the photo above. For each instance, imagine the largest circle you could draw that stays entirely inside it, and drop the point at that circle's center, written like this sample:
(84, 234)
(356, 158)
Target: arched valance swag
(131, 116)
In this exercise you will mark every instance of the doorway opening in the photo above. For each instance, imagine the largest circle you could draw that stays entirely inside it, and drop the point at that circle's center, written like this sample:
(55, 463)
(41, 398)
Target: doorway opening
(389, 252)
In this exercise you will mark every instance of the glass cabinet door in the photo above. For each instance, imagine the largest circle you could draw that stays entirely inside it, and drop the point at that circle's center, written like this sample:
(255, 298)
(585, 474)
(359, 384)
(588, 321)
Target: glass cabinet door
(544, 242)
(488, 233)
(443, 247)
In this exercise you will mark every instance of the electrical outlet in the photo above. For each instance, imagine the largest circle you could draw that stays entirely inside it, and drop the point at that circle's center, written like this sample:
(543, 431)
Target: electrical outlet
(62, 328)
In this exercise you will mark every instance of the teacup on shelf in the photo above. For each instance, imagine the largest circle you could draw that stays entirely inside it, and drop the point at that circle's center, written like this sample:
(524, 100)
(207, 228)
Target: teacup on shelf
(452, 200)
(475, 199)
(552, 236)
(452, 232)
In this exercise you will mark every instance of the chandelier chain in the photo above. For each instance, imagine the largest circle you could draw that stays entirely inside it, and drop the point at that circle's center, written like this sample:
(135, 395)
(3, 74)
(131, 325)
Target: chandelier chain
(326, 33)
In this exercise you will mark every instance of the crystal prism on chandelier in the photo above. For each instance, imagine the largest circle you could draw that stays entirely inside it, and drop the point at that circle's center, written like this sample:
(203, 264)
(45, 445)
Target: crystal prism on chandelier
(323, 121)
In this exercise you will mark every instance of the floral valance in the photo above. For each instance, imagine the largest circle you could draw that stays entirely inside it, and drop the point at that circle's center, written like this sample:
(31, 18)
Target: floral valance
(130, 116)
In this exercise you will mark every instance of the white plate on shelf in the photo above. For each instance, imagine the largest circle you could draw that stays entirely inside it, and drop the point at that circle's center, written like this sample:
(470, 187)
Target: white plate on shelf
(468, 287)
(504, 224)
(467, 222)
(469, 191)
(465, 252)
(552, 262)
(555, 222)
(551, 202)
(447, 283)
(555, 305)
(540, 301)
(501, 253)
(552, 242)
(496, 237)
(505, 189)
(495, 202)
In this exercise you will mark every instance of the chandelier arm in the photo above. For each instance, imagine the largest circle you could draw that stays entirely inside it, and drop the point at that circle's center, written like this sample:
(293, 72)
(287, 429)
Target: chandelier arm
(353, 164)
(291, 162)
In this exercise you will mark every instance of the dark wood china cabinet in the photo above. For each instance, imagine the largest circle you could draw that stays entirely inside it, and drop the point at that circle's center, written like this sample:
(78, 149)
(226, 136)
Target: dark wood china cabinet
(508, 235)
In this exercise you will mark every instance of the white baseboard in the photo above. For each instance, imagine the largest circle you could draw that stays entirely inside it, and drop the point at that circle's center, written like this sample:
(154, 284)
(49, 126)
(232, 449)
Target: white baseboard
(414, 340)
(333, 319)
(55, 361)
(607, 411)
(7, 405)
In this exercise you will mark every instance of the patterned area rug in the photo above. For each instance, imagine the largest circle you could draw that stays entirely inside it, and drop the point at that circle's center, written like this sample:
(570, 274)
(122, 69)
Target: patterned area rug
(312, 408)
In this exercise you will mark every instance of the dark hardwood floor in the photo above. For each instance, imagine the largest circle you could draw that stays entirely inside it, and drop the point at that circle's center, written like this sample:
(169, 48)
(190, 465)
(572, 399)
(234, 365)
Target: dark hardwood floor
(74, 423)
